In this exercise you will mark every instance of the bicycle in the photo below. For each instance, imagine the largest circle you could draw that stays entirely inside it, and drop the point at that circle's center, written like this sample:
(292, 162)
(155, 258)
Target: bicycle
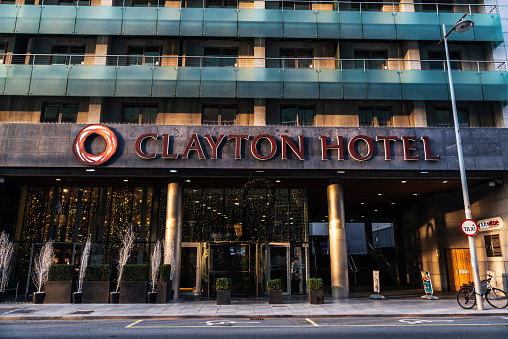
(466, 296)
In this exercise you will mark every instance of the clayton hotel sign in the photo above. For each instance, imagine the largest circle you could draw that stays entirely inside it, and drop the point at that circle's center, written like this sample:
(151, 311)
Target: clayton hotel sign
(261, 147)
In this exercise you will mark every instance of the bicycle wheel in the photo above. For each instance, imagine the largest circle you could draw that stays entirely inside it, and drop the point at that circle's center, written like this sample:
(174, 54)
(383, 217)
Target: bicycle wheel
(497, 298)
(466, 297)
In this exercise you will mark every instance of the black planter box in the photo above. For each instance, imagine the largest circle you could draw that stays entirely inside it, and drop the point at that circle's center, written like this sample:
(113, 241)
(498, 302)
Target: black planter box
(133, 292)
(114, 297)
(275, 296)
(3, 295)
(164, 292)
(223, 297)
(96, 292)
(58, 292)
(151, 297)
(38, 297)
(316, 297)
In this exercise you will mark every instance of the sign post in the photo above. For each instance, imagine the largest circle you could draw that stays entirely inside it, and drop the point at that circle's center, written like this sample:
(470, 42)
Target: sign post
(376, 285)
(469, 227)
(427, 286)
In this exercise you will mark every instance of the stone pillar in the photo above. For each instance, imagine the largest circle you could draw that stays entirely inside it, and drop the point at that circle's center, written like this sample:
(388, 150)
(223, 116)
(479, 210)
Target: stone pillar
(101, 50)
(259, 112)
(173, 236)
(419, 114)
(406, 6)
(338, 245)
(259, 52)
(412, 56)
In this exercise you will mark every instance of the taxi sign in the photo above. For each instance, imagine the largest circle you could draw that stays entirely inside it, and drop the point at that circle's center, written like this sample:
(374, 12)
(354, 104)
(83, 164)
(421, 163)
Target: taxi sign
(469, 227)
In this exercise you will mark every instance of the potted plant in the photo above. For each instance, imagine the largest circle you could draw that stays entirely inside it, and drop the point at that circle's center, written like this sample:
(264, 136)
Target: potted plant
(59, 285)
(40, 272)
(274, 291)
(127, 238)
(155, 263)
(316, 294)
(223, 286)
(6, 251)
(97, 284)
(77, 297)
(165, 285)
(134, 284)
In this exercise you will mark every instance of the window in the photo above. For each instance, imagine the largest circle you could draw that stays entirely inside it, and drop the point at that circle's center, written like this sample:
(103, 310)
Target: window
(220, 57)
(59, 112)
(375, 116)
(3, 52)
(493, 245)
(296, 58)
(219, 114)
(378, 62)
(221, 3)
(444, 117)
(294, 5)
(68, 55)
(441, 64)
(140, 113)
(146, 56)
(296, 115)
(365, 6)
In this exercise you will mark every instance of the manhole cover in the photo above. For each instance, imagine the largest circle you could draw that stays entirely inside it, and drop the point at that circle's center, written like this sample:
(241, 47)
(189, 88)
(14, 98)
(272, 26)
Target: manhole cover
(23, 311)
(82, 312)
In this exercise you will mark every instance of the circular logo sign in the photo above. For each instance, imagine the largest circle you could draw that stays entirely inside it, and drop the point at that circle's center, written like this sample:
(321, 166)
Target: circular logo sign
(91, 159)
(469, 227)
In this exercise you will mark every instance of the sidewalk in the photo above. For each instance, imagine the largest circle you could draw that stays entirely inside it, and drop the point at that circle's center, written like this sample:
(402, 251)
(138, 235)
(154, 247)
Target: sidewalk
(397, 304)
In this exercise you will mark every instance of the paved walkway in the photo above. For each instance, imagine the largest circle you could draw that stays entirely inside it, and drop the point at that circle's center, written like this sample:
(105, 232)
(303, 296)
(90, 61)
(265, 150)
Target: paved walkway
(395, 305)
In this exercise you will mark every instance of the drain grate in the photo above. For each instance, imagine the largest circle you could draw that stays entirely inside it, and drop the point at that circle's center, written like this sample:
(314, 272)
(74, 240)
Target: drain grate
(23, 311)
(256, 318)
(279, 306)
(82, 312)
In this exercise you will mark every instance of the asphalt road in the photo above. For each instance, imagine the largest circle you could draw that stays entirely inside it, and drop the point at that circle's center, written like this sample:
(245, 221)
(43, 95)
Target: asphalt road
(379, 327)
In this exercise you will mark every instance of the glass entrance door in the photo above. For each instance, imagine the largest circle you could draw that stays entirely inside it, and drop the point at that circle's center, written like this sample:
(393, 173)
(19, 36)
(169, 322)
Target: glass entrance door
(231, 260)
(190, 271)
(278, 265)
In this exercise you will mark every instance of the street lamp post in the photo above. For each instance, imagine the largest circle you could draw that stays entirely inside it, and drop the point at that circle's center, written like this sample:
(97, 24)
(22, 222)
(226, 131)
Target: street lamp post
(460, 27)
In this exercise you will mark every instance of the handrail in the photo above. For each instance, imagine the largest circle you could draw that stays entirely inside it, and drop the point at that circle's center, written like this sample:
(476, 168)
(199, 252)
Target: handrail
(380, 258)
(317, 63)
(352, 265)
(355, 6)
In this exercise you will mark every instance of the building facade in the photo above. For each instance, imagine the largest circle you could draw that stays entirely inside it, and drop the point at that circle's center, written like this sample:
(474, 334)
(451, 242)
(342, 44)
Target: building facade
(258, 139)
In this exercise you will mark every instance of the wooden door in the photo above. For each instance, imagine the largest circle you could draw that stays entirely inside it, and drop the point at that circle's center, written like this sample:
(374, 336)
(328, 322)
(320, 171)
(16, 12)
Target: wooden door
(460, 271)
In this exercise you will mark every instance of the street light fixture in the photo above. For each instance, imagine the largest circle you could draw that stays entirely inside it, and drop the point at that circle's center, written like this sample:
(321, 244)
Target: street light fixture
(460, 27)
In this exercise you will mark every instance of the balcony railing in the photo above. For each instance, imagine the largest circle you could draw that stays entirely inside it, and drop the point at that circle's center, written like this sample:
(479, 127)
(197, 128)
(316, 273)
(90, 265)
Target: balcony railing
(249, 77)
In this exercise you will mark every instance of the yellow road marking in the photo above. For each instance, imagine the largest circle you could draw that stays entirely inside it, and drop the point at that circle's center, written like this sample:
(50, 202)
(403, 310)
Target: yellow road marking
(134, 323)
(312, 322)
(302, 326)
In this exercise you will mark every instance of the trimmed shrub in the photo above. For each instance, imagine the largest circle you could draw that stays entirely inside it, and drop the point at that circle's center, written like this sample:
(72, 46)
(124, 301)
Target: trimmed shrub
(99, 273)
(274, 284)
(223, 284)
(135, 272)
(165, 272)
(61, 272)
(315, 284)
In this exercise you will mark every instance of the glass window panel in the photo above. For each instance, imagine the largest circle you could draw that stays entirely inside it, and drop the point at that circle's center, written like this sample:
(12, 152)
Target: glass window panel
(365, 116)
(210, 115)
(463, 117)
(149, 114)
(69, 113)
(306, 116)
(228, 115)
(443, 117)
(384, 116)
(288, 115)
(131, 114)
(192, 207)
(51, 113)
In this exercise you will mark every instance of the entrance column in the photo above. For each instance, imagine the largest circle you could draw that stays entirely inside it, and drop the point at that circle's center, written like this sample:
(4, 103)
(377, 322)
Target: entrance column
(338, 246)
(173, 234)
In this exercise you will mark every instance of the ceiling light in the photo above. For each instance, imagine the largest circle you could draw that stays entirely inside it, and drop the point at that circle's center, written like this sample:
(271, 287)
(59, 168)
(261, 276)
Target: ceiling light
(375, 210)
(58, 179)
(424, 172)
(445, 181)
(363, 216)
(187, 180)
(260, 171)
(173, 171)
(341, 172)
(277, 180)
(393, 203)
(90, 170)
(380, 194)
(403, 181)
(125, 180)
(415, 193)
(362, 203)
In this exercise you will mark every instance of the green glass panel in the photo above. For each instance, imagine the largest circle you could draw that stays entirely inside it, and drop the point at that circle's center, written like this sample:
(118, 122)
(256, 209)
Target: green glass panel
(301, 83)
(417, 26)
(378, 25)
(134, 81)
(353, 82)
(95, 81)
(383, 84)
(259, 83)
(3, 76)
(164, 82)
(18, 79)
(8, 18)
(300, 24)
(28, 19)
(187, 82)
(139, 21)
(328, 24)
(168, 21)
(487, 27)
(330, 84)
(99, 20)
(449, 20)
(218, 82)
(350, 24)
(220, 22)
(49, 80)
(191, 23)
(57, 19)
(424, 85)
(260, 23)
(467, 85)
(494, 86)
